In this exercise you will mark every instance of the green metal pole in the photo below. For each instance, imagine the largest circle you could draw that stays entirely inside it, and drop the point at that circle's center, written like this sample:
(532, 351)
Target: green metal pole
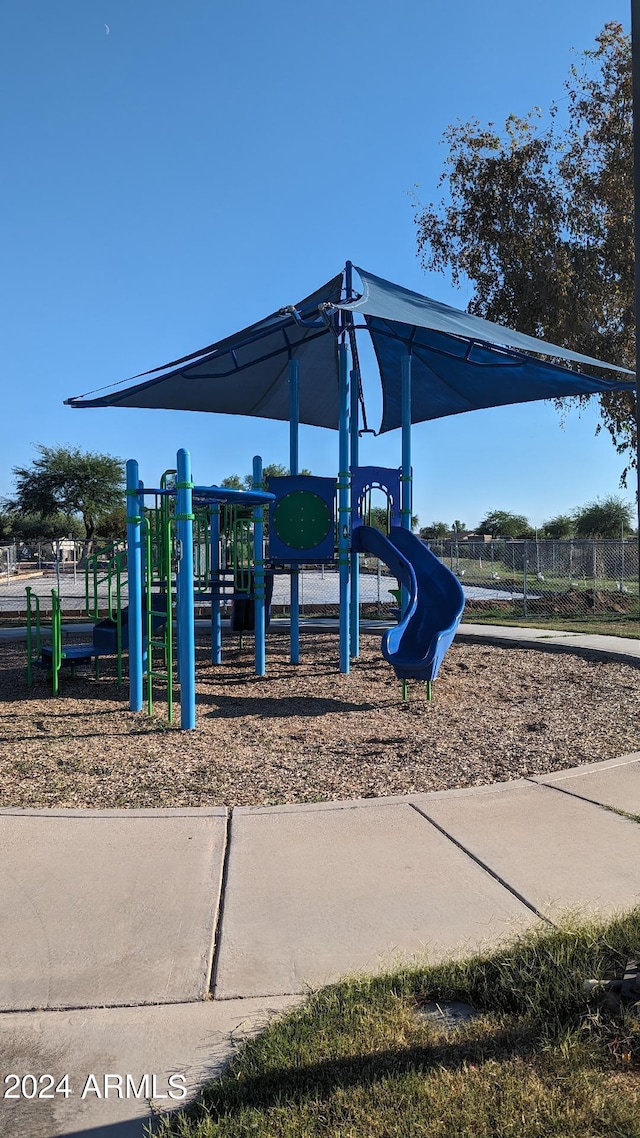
(56, 642)
(29, 649)
(146, 584)
(118, 619)
(168, 633)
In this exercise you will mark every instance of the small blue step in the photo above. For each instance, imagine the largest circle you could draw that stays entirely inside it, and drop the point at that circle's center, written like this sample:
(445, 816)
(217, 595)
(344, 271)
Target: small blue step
(72, 654)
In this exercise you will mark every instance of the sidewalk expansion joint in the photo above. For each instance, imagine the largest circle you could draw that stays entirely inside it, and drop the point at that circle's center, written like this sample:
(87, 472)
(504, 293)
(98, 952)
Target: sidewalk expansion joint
(217, 932)
(483, 865)
(583, 798)
(301, 993)
(130, 1005)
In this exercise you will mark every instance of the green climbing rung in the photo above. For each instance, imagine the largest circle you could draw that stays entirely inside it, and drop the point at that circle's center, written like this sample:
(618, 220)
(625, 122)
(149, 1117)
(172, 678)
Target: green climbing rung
(158, 533)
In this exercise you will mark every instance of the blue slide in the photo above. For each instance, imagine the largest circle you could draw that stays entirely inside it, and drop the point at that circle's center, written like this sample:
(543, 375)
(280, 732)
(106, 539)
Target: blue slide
(415, 648)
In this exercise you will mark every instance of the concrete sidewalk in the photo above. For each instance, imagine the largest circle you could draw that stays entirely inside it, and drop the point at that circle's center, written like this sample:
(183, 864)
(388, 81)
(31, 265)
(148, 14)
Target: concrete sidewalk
(148, 943)
(620, 648)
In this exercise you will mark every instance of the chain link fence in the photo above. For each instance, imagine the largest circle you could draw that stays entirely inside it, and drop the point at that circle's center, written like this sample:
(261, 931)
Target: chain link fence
(44, 566)
(531, 580)
(571, 579)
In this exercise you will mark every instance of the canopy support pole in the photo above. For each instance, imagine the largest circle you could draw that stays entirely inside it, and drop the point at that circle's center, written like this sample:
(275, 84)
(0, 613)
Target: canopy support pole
(355, 557)
(294, 468)
(635, 71)
(405, 477)
(344, 509)
(354, 425)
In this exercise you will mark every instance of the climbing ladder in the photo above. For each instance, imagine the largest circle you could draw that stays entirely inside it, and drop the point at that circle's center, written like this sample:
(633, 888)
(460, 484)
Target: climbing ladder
(158, 533)
(108, 567)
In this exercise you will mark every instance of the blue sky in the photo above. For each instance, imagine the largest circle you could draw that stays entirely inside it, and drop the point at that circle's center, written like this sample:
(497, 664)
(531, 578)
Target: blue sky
(175, 171)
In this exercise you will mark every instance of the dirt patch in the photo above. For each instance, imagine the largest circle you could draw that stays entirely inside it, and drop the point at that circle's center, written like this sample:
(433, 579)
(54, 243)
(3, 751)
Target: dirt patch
(307, 733)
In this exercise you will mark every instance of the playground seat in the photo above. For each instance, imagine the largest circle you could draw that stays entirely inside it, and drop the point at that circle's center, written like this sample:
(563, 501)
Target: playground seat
(71, 655)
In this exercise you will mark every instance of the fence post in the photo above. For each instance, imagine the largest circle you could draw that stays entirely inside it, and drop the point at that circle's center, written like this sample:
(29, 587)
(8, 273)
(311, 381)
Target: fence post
(525, 554)
(595, 573)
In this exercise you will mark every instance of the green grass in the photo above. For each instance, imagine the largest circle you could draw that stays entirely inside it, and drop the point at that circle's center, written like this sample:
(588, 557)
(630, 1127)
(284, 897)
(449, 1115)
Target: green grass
(541, 1060)
(622, 813)
(620, 626)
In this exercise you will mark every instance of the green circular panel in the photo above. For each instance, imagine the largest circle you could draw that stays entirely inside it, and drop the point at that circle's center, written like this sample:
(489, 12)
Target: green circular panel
(302, 520)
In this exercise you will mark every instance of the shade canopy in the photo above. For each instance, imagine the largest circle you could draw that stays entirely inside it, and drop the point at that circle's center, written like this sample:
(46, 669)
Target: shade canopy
(248, 373)
(460, 362)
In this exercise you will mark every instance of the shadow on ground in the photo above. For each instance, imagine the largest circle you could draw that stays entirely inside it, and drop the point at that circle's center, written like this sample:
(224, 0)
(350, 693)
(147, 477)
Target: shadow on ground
(269, 708)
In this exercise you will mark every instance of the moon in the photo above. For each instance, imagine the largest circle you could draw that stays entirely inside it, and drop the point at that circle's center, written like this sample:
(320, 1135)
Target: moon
(108, 29)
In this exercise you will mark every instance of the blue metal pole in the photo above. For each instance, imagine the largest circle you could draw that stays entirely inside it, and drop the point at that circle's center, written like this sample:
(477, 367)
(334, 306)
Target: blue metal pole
(134, 584)
(344, 508)
(294, 421)
(405, 508)
(258, 575)
(635, 83)
(216, 623)
(355, 560)
(185, 598)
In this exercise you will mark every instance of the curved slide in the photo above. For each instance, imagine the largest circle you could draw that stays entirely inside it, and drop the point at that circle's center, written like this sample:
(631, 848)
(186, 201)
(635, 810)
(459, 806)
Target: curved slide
(415, 648)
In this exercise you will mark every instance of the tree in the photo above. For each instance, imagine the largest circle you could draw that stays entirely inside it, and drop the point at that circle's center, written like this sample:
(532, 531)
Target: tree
(500, 523)
(562, 525)
(435, 531)
(540, 220)
(378, 518)
(233, 482)
(70, 481)
(459, 527)
(271, 470)
(604, 517)
(32, 528)
(112, 527)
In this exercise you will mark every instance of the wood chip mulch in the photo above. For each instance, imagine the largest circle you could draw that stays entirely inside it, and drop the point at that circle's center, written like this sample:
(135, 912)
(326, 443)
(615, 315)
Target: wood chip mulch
(307, 733)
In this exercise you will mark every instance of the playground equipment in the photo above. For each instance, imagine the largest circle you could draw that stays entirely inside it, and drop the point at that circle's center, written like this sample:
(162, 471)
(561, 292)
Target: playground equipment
(207, 542)
(301, 364)
(184, 543)
(415, 648)
(189, 543)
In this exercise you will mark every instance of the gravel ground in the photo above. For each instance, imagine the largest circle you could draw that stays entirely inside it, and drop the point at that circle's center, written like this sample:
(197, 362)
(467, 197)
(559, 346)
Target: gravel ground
(306, 733)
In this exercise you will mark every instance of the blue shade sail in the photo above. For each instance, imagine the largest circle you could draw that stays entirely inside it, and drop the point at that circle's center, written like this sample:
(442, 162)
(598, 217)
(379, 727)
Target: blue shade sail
(248, 373)
(461, 362)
